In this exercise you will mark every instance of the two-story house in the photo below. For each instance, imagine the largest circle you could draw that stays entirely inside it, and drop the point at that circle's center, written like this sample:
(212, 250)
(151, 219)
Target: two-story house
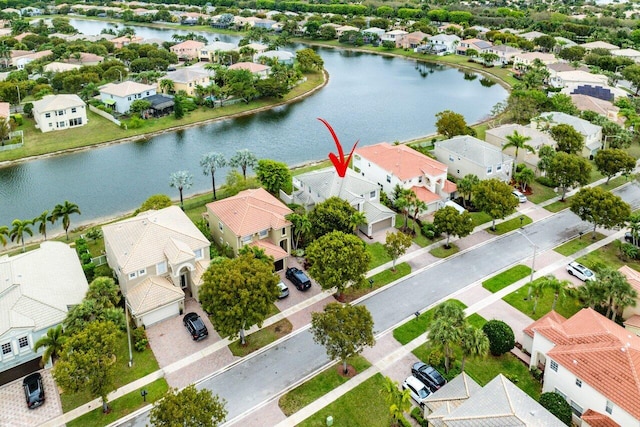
(391, 165)
(466, 155)
(591, 361)
(505, 53)
(158, 257)
(317, 186)
(37, 289)
(474, 44)
(259, 70)
(252, 217)
(211, 52)
(188, 49)
(537, 139)
(59, 112)
(592, 133)
(187, 79)
(443, 44)
(120, 96)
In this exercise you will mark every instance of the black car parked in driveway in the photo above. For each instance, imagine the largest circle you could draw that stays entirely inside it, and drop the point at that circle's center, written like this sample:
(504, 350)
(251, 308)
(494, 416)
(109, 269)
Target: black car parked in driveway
(428, 375)
(194, 324)
(33, 390)
(629, 238)
(298, 278)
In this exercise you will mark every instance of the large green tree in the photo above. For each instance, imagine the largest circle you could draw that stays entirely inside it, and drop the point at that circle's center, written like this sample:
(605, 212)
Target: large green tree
(188, 407)
(451, 124)
(334, 214)
(396, 245)
(344, 330)
(631, 73)
(495, 198)
(238, 293)
(452, 223)
(64, 211)
(600, 207)
(155, 202)
(568, 170)
(466, 186)
(309, 60)
(338, 259)
(614, 160)
(273, 175)
(301, 227)
(399, 401)
(568, 138)
(473, 342)
(87, 361)
(210, 162)
(446, 328)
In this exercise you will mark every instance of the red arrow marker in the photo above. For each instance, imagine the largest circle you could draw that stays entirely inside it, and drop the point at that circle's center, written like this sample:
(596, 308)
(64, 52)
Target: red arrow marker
(339, 161)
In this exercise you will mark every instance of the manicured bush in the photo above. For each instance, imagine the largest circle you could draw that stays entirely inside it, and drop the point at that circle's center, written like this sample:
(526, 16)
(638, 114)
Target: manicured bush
(546, 181)
(140, 340)
(429, 230)
(89, 271)
(17, 117)
(501, 337)
(557, 405)
(417, 414)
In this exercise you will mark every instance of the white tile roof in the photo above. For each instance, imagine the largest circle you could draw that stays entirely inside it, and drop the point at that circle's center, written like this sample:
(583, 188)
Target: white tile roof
(152, 293)
(57, 102)
(584, 127)
(474, 150)
(125, 88)
(37, 287)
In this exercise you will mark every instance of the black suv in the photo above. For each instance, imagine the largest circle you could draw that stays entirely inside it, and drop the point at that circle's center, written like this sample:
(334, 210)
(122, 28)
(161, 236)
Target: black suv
(33, 390)
(428, 375)
(195, 326)
(298, 278)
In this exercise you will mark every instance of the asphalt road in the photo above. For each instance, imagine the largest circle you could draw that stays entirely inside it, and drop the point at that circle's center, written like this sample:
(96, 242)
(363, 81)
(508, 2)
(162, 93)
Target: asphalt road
(262, 377)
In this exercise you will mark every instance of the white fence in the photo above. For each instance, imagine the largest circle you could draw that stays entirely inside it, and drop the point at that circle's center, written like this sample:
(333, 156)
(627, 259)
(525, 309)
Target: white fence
(104, 114)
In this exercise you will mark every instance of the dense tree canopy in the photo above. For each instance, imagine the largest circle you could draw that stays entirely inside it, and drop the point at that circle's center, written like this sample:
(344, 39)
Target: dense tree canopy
(495, 198)
(614, 160)
(451, 124)
(568, 170)
(600, 207)
(568, 138)
(333, 214)
(453, 223)
(274, 176)
(188, 407)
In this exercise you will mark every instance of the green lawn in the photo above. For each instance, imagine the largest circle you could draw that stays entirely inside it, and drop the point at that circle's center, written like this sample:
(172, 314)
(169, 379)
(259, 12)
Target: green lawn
(615, 182)
(318, 386)
(122, 406)
(443, 252)
(510, 225)
(419, 239)
(540, 193)
(480, 218)
(577, 244)
(379, 280)
(144, 363)
(506, 278)
(261, 338)
(476, 320)
(566, 306)
(415, 327)
(559, 205)
(379, 255)
(364, 406)
(607, 255)
(310, 168)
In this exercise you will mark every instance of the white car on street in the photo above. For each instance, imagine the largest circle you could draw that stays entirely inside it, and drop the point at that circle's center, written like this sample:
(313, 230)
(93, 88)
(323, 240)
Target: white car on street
(580, 271)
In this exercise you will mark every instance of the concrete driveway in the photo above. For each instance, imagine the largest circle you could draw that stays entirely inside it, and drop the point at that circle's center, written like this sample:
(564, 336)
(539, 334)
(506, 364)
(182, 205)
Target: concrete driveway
(14, 409)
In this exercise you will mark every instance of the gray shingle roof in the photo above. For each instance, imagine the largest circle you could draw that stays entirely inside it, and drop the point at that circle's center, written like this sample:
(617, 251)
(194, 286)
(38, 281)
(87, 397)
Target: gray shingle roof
(474, 150)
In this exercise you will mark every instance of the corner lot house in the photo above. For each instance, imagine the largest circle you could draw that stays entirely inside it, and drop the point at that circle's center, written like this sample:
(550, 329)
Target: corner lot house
(465, 155)
(253, 217)
(592, 133)
(120, 95)
(498, 136)
(59, 112)
(391, 165)
(364, 195)
(37, 288)
(591, 361)
(158, 257)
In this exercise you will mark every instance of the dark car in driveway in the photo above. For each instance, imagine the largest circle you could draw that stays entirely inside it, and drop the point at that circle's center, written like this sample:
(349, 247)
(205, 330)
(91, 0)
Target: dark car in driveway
(628, 237)
(33, 390)
(298, 278)
(196, 327)
(428, 375)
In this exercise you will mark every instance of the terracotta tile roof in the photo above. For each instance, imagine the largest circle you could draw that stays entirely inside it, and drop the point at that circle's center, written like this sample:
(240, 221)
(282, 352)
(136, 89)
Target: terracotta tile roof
(596, 419)
(188, 45)
(250, 66)
(5, 110)
(251, 211)
(402, 161)
(633, 321)
(449, 187)
(548, 320)
(633, 276)
(425, 194)
(599, 352)
(271, 250)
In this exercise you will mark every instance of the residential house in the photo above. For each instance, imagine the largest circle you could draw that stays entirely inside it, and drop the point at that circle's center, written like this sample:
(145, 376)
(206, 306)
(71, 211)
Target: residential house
(531, 35)
(37, 289)
(498, 136)
(393, 35)
(444, 44)
(475, 44)
(252, 217)
(120, 96)
(505, 53)
(186, 79)
(10, 10)
(450, 28)
(592, 133)
(563, 43)
(85, 58)
(466, 155)
(317, 186)
(259, 70)
(632, 54)
(373, 32)
(31, 11)
(120, 42)
(242, 22)
(345, 29)
(525, 60)
(211, 52)
(600, 106)
(282, 56)
(462, 403)
(391, 165)
(412, 40)
(187, 50)
(633, 278)
(59, 112)
(20, 59)
(59, 67)
(158, 256)
(600, 45)
(591, 361)
(577, 77)
(256, 48)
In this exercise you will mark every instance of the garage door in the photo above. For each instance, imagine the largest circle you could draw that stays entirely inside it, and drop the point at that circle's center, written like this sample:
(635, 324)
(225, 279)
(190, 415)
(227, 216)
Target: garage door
(279, 265)
(161, 314)
(20, 371)
(382, 225)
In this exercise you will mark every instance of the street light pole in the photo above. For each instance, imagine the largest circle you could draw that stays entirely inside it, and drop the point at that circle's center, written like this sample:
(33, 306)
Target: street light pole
(18, 88)
(126, 318)
(533, 260)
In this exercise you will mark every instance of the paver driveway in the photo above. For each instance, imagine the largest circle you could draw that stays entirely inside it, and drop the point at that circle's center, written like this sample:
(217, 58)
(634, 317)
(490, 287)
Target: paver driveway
(14, 411)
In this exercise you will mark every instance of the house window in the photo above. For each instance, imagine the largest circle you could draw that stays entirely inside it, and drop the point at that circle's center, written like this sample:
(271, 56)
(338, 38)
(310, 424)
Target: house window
(73, 110)
(161, 267)
(147, 93)
(372, 195)
(576, 409)
(142, 272)
(284, 231)
(451, 159)
(128, 98)
(420, 179)
(23, 342)
(61, 113)
(61, 124)
(489, 170)
(47, 115)
(564, 396)
(6, 348)
(220, 226)
(554, 366)
(389, 178)
(246, 239)
(498, 168)
(75, 122)
(609, 407)
(198, 253)
(578, 382)
(221, 240)
(263, 233)
(133, 275)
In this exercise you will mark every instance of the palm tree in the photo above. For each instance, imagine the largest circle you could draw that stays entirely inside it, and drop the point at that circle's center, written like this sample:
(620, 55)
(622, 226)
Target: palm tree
(634, 227)
(243, 159)
(518, 141)
(399, 401)
(181, 180)
(525, 177)
(4, 233)
(537, 291)
(466, 186)
(560, 289)
(446, 328)
(356, 220)
(166, 85)
(63, 211)
(42, 221)
(301, 226)
(418, 206)
(592, 293)
(19, 228)
(53, 342)
(473, 342)
(210, 162)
